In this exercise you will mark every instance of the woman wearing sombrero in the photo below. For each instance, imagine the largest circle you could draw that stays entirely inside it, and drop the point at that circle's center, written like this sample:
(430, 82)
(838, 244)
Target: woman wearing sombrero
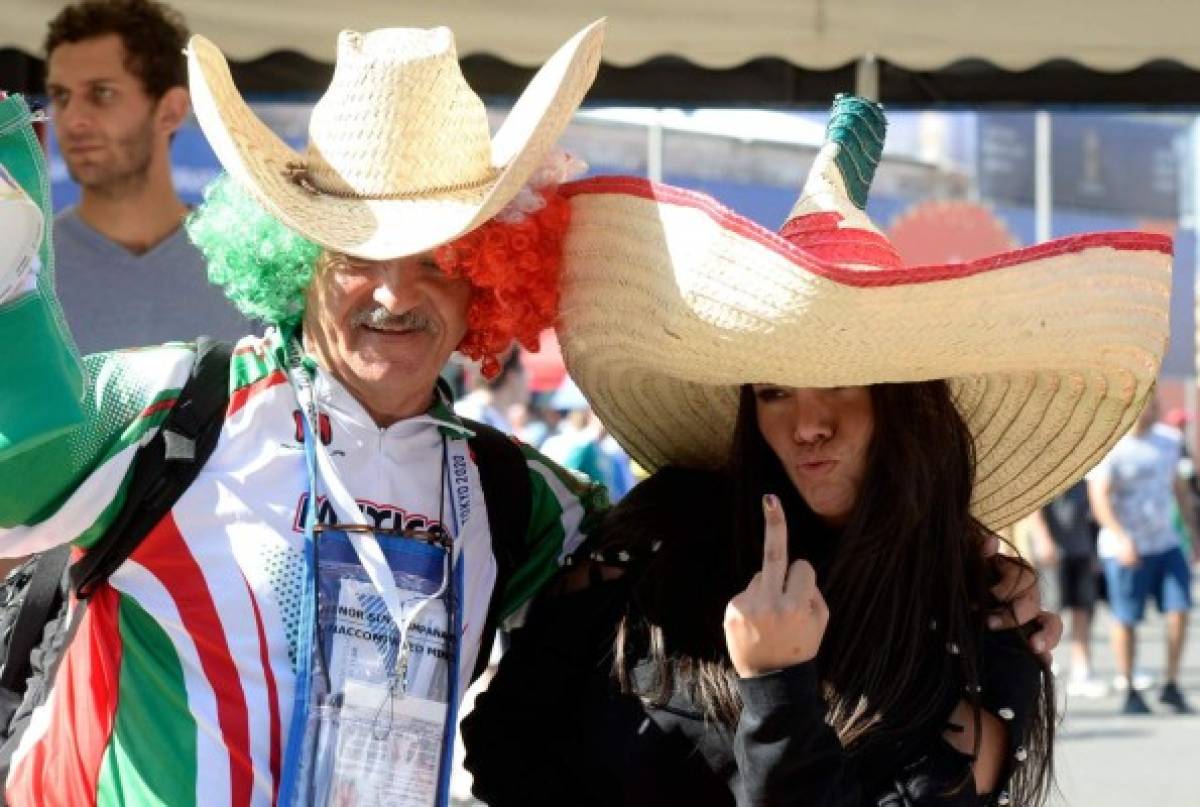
(795, 609)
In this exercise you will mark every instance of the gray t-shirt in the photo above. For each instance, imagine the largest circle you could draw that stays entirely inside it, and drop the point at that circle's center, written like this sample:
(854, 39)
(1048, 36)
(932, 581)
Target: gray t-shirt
(1141, 472)
(113, 298)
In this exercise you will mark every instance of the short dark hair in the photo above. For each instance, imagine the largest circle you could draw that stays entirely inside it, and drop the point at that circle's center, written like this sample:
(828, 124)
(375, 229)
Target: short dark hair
(153, 35)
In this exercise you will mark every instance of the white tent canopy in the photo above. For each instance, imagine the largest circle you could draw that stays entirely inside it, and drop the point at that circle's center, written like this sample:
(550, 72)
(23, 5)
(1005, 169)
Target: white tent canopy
(819, 34)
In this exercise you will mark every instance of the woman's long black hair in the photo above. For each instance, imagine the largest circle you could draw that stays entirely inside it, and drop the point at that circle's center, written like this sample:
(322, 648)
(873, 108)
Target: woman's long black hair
(905, 580)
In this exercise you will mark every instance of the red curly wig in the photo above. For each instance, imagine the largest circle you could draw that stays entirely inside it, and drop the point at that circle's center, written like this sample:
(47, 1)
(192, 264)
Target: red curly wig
(514, 273)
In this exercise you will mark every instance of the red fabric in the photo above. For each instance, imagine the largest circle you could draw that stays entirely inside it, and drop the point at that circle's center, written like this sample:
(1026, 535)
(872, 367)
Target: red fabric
(544, 368)
(272, 696)
(900, 276)
(63, 767)
(165, 554)
(157, 406)
(240, 396)
(514, 271)
(822, 235)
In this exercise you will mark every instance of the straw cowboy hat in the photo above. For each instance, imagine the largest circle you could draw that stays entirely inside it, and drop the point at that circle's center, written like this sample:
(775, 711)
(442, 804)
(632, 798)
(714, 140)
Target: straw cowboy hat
(670, 302)
(399, 158)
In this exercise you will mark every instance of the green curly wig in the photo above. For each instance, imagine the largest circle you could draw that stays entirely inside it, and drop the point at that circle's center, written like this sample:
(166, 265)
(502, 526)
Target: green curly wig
(263, 267)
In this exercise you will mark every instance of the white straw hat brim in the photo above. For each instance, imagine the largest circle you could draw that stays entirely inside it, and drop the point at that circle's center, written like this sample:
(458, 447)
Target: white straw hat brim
(379, 229)
(671, 302)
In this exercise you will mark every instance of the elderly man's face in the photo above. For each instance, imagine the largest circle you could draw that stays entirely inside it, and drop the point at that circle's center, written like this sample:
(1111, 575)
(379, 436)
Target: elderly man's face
(385, 328)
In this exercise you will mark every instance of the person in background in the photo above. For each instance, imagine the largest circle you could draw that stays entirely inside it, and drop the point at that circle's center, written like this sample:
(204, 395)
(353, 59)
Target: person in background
(1134, 492)
(526, 425)
(1064, 538)
(580, 443)
(1177, 419)
(479, 403)
(126, 271)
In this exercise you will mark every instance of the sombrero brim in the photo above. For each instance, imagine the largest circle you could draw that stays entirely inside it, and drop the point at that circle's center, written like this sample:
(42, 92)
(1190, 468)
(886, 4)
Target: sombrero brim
(670, 302)
(379, 229)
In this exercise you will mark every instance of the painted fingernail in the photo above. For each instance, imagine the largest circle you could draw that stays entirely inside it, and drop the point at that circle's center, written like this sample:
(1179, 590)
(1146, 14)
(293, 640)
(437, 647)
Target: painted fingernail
(770, 502)
(994, 622)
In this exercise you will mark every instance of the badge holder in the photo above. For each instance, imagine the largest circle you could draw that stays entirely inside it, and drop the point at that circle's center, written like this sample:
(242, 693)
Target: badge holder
(377, 718)
(376, 680)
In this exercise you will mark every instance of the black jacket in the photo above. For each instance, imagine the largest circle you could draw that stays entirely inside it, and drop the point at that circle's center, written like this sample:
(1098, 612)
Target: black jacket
(553, 728)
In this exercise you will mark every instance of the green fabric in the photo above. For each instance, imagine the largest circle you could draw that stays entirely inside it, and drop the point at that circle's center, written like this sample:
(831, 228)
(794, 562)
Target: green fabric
(36, 481)
(41, 373)
(40, 393)
(132, 435)
(858, 127)
(587, 458)
(548, 526)
(151, 757)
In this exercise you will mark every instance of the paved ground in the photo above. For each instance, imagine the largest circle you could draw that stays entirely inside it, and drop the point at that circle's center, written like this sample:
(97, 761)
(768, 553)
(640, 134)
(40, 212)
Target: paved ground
(1105, 759)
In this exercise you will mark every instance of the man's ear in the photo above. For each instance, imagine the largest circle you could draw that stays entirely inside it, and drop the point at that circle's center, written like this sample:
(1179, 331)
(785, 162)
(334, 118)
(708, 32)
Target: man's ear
(173, 109)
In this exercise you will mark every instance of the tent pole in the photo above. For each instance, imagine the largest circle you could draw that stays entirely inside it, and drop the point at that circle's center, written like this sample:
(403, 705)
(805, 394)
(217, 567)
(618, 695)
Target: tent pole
(654, 149)
(866, 77)
(1043, 191)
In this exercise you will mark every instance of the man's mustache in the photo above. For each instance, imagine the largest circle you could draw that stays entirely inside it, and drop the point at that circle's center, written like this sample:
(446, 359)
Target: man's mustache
(381, 319)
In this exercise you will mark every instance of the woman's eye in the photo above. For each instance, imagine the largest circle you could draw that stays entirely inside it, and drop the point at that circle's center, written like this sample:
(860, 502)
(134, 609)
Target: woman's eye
(769, 393)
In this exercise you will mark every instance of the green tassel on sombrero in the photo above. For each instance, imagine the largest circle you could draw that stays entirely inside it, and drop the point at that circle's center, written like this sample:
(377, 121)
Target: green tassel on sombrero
(829, 220)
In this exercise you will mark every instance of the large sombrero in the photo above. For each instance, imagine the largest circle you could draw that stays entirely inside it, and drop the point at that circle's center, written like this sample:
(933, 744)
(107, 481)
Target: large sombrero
(671, 301)
(400, 158)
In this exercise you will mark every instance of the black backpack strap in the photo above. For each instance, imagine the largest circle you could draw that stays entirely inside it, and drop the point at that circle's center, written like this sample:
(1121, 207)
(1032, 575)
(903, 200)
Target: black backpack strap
(165, 466)
(42, 597)
(508, 494)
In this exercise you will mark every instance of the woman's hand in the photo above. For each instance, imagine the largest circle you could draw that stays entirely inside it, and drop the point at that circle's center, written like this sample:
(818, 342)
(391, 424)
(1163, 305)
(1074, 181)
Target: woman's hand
(1022, 598)
(780, 619)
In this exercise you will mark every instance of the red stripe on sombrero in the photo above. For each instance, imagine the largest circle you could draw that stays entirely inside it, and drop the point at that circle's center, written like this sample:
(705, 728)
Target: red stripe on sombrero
(834, 247)
(908, 275)
(848, 252)
(63, 766)
(242, 395)
(166, 555)
(823, 236)
(828, 220)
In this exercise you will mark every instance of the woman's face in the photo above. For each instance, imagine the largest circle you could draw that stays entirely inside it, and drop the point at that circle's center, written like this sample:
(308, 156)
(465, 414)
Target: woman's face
(821, 436)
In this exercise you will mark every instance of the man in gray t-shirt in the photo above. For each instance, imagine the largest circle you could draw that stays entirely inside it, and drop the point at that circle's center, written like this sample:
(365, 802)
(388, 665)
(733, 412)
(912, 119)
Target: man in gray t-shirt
(1134, 492)
(115, 298)
(125, 272)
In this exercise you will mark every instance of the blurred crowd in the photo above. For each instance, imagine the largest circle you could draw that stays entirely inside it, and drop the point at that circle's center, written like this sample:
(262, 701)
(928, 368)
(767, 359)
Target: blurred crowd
(554, 418)
(1125, 535)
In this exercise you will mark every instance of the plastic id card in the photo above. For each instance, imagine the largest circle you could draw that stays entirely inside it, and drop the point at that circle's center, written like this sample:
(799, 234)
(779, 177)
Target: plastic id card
(378, 725)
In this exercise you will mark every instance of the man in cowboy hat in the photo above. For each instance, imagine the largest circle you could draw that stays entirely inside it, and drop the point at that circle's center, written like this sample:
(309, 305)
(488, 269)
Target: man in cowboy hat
(232, 643)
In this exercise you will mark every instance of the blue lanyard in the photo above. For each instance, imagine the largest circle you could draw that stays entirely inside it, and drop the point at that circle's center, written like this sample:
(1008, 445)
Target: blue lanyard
(306, 636)
(294, 760)
(454, 612)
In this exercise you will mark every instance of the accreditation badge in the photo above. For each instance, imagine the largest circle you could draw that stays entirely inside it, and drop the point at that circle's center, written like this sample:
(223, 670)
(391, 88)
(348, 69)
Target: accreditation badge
(380, 720)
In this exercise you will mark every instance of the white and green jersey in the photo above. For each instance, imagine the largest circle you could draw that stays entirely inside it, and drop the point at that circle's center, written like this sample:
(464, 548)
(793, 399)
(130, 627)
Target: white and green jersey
(178, 687)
